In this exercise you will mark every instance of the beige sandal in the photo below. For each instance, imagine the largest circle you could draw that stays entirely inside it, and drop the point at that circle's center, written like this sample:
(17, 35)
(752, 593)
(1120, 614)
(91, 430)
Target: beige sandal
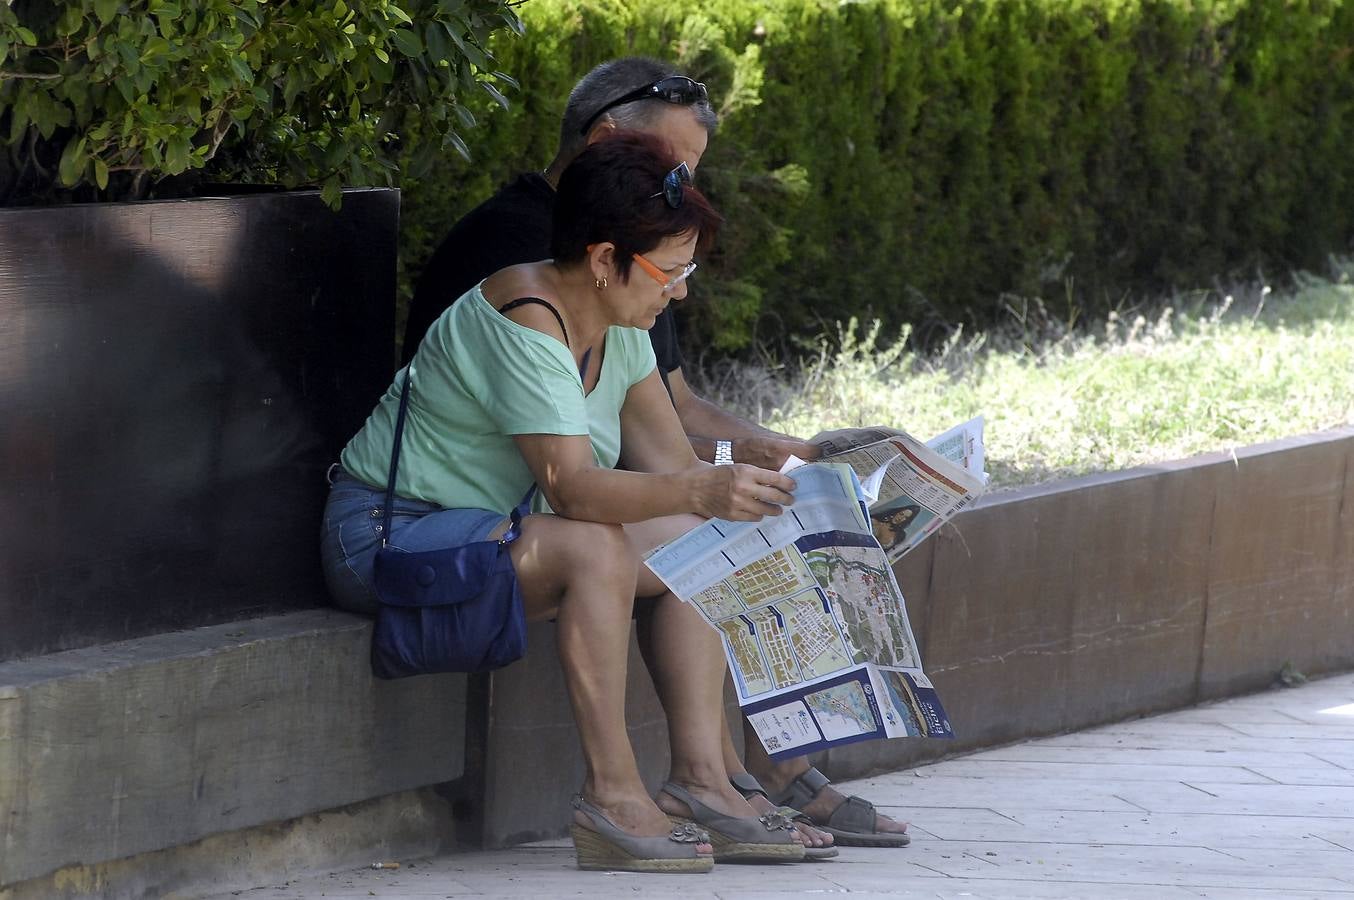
(747, 839)
(606, 847)
(748, 786)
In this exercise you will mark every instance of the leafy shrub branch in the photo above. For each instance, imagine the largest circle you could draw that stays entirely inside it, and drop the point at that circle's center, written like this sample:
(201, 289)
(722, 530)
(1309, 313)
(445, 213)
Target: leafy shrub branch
(124, 99)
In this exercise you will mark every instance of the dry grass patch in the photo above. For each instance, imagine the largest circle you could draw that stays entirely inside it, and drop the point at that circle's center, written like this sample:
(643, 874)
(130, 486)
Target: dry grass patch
(1204, 372)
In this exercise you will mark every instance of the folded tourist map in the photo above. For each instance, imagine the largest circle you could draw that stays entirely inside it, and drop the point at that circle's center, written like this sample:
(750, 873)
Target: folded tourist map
(813, 622)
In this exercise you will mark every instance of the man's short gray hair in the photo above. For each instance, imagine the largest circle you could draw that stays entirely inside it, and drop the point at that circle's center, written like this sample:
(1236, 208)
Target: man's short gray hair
(613, 79)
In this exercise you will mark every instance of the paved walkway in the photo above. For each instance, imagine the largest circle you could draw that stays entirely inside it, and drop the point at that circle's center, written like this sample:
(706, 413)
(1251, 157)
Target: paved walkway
(1252, 797)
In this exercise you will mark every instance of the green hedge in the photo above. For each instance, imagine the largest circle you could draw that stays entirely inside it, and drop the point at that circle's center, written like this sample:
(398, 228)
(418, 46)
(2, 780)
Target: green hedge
(918, 159)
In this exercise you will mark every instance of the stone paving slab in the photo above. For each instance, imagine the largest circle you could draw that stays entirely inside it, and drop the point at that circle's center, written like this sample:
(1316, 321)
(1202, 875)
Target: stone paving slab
(1233, 740)
(1081, 771)
(1250, 798)
(1042, 751)
(1343, 760)
(1167, 829)
(1011, 793)
(1330, 776)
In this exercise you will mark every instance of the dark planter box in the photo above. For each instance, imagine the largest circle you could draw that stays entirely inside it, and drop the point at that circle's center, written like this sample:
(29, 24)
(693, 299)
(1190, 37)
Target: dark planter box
(174, 378)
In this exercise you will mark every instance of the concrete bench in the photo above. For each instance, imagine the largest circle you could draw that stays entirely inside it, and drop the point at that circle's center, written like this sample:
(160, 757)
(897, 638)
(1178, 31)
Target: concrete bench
(193, 739)
(242, 753)
(1044, 610)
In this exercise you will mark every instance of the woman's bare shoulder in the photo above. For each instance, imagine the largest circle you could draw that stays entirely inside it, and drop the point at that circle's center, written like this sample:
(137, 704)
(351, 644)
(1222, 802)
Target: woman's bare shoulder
(527, 280)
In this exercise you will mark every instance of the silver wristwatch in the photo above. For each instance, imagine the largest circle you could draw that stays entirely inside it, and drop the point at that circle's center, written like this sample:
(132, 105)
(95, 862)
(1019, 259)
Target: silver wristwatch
(723, 453)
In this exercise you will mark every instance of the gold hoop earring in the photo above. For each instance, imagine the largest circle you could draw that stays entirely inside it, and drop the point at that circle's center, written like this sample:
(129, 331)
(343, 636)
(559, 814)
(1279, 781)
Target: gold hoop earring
(600, 283)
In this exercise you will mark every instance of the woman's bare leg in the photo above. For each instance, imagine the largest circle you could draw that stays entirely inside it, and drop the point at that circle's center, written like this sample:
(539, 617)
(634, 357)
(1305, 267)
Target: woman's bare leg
(685, 656)
(584, 574)
(645, 536)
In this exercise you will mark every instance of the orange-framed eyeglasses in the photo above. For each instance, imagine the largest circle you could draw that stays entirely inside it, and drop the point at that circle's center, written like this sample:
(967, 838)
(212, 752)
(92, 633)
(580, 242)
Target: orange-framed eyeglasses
(668, 281)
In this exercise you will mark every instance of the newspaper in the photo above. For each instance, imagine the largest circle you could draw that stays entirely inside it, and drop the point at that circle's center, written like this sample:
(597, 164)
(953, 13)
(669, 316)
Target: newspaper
(912, 488)
(814, 625)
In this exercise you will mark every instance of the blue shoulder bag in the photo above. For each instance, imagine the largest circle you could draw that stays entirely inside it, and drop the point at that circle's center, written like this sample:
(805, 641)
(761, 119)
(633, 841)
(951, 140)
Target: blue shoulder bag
(452, 610)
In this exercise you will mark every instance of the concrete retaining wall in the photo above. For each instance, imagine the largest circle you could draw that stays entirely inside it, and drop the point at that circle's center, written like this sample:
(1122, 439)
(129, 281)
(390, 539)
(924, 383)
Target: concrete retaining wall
(129, 748)
(1043, 610)
(1038, 611)
(406, 825)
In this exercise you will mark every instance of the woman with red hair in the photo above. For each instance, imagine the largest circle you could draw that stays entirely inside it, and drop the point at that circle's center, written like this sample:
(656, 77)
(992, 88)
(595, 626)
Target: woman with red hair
(543, 373)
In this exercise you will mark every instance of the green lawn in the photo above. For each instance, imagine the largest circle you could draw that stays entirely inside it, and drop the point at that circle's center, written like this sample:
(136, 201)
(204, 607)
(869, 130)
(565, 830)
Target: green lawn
(1136, 389)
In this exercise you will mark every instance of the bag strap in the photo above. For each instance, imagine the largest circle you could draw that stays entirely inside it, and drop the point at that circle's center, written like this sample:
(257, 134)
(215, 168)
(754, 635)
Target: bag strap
(395, 458)
(518, 513)
(587, 354)
(520, 510)
(537, 301)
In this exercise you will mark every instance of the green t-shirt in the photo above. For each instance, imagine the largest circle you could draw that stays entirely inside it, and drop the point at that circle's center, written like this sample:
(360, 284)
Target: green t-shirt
(477, 379)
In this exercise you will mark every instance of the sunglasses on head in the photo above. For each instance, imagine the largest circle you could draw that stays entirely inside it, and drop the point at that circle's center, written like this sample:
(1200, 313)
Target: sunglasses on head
(676, 89)
(673, 182)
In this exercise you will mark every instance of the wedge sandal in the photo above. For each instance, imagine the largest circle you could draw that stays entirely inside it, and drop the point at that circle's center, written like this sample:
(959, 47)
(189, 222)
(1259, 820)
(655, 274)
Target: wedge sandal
(852, 823)
(608, 848)
(751, 839)
(749, 786)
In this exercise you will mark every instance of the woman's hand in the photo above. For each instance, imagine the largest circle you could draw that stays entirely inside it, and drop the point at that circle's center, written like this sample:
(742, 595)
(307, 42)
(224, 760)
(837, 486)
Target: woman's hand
(740, 493)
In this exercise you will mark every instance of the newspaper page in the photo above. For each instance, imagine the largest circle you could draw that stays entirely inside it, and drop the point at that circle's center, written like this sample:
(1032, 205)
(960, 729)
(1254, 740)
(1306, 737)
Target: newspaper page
(961, 445)
(813, 623)
(920, 486)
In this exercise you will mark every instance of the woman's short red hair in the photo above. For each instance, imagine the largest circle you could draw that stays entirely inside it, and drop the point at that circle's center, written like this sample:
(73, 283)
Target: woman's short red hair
(613, 192)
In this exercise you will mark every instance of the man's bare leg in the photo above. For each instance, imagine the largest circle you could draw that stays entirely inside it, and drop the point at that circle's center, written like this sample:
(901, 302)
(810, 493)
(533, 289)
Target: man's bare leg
(776, 777)
(808, 835)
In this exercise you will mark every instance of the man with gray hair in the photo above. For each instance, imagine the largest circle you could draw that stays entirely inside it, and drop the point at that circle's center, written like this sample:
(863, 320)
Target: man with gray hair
(514, 227)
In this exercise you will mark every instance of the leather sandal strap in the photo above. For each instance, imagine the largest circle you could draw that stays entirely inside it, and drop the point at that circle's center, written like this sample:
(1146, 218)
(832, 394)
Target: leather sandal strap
(804, 789)
(747, 785)
(856, 814)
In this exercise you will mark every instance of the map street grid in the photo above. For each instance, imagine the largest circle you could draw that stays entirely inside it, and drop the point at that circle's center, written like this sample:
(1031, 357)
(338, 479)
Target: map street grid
(813, 623)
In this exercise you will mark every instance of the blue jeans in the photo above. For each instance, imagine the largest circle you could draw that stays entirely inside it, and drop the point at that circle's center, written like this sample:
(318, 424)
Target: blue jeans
(352, 534)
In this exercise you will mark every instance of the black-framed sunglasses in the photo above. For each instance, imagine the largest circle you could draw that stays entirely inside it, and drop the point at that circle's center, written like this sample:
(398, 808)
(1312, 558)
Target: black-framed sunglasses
(675, 89)
(673, 182)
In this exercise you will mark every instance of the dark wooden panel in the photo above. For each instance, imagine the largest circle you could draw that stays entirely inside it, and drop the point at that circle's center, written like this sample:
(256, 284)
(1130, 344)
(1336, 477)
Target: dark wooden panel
(1000, 621)
(1067, 606)
(1278, 589)
(914, 580)
(1139, 569)
(174, 377)
(1057, 607)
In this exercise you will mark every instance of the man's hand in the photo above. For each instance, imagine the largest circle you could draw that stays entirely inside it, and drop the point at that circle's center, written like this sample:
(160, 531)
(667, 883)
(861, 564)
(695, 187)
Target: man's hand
(704, 423)
(772, 452)
(842, 439)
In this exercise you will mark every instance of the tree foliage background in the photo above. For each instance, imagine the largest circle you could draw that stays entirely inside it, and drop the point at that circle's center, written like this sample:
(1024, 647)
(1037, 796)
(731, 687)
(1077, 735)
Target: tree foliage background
(127, 99)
